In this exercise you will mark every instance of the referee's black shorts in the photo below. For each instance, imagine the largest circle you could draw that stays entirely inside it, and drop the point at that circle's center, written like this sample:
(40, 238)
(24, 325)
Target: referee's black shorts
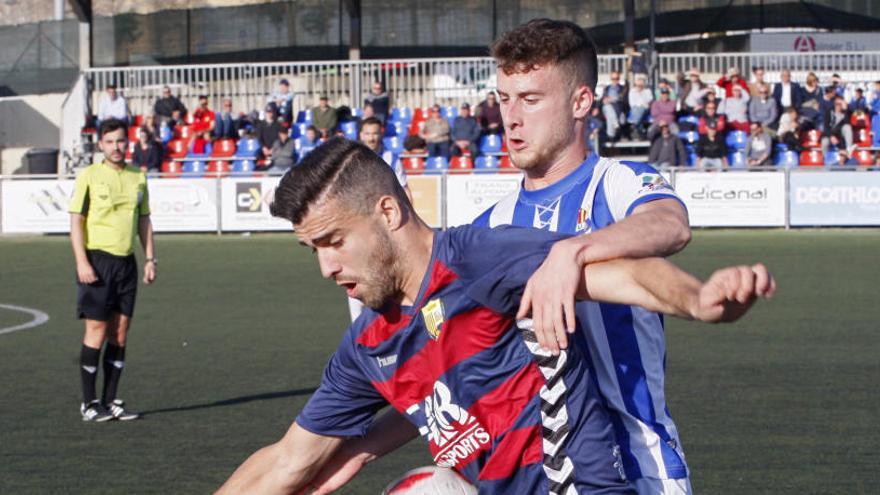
(115, 290)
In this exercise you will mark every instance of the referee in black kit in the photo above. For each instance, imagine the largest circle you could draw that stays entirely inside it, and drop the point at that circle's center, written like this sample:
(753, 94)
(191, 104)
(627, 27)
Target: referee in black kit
(110, 205)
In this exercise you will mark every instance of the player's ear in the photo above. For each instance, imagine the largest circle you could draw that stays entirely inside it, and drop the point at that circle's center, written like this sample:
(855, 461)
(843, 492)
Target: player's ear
(391, 212)
(582, 101)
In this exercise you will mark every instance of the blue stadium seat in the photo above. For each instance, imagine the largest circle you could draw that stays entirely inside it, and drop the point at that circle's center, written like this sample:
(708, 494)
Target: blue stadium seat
(737, 159)
(396, 128)
(208, 149)
(401, 114)
(248, 148)
(301, 128)
(357, 112)
(449, 112)
(393, 143)
(831, 158)
(688, 122)
(875, 129)
(304, 117)
(689, 137)
(787, 159)
(350, 129)
(194, 168)
(487, 163)
(780, 147)
(436, 165)
(490, 144)
(243, 167)
(737, 139)
(165, 133)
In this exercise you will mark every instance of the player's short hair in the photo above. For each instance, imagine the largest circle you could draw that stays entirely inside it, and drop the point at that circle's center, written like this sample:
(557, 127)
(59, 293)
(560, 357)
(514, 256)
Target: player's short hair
(546, 41)
(111, 125)
(338, 169)
(369, 121)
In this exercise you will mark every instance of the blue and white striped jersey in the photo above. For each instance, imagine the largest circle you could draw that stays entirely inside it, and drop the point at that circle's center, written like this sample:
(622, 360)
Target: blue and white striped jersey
(627, 343)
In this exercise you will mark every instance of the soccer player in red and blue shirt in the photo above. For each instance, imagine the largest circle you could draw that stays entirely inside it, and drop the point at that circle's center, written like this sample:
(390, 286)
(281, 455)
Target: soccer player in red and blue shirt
(441, 343)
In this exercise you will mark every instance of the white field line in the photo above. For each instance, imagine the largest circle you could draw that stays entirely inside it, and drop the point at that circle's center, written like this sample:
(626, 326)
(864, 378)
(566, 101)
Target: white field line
(38, 318)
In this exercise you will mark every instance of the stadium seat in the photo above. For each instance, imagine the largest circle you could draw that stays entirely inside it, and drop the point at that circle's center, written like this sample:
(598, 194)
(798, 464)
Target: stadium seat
(491, 144)
(860, 119)
(243, 167)
(133, 133)
(862, 137)
(209, 148)
(688, 123)
(505, 163)
(436, 165)
(218, 168)
(248, 148)
(393, 143)
(737, 159)
(864, 157)
(737, 139)
(832, 158)
(461, 164)
(449, 112)
(811, 158)
(189, 119)
(357, 112)
(184, 132)
(689, 137)
(396, 128)
(401, 114)
(304, 117)
(487, 163)
(165, 133)
(194, 168)
(177, 148)
(780, 147)
(787, 159)
(421, 114)
(137, 120)
(171, 168)
(413, 164)
(300, 129)
(223, 148)
(350, 129)
(129, 150)
(875, 131)
(812, 139)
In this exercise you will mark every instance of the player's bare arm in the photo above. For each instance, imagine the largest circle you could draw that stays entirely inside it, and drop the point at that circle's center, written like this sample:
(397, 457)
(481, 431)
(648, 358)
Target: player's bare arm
(145, 233)
(283, 467)
(660, 286)
(655, 228)
(84, 271)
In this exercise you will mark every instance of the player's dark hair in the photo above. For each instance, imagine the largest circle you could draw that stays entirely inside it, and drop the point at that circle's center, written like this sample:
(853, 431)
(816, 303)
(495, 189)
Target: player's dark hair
(111, 125)
(546, 41)
(369, 121)
(338, 169)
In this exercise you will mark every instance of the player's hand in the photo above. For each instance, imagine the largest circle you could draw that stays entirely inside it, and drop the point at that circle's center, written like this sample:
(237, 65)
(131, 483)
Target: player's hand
(149, 272)
(550, 295)
(336, 472)
(730, 292)
(85, 273)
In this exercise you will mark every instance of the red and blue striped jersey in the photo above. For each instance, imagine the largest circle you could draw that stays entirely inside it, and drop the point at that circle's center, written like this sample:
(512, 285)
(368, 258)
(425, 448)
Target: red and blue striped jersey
(487, 400)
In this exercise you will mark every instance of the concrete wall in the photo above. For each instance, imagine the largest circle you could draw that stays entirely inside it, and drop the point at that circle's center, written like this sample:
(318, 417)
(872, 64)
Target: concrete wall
(25, 123)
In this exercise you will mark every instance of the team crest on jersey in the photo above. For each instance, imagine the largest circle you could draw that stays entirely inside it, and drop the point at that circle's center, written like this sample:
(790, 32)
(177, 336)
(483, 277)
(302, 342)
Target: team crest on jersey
(434, 316)
(653, 182)
(583, 223)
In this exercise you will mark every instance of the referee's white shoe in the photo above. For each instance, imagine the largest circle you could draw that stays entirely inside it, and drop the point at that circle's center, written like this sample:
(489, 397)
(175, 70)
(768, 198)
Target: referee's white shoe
(117, 410)
(95, 412)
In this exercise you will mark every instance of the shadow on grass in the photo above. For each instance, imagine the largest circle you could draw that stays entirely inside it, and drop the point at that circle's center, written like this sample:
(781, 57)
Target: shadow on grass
(234, 401)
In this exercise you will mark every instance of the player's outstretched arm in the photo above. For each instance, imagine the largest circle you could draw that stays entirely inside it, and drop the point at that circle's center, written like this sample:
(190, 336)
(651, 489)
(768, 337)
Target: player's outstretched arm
(387, 434)
(656, 228)
(660, 286)
(283, 467)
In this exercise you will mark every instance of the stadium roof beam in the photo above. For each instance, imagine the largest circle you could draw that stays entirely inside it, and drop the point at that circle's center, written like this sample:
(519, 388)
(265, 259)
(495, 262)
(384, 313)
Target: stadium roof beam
(83, 11)
(354, 40)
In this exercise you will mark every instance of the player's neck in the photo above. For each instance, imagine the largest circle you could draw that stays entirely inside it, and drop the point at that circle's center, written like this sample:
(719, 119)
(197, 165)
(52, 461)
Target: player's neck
(416, 246)
(115, 166)
(564, 164)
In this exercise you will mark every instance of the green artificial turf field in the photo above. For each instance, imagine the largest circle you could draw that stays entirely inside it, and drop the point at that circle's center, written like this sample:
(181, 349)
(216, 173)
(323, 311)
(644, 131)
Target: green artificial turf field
(232, 339)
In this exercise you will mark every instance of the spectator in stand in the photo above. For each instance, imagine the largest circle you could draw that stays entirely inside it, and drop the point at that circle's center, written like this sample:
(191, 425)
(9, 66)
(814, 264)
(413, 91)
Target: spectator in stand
(838, 131)
(267, 129)
(758, 147)
(811, 97)
(283, 100)
(711, 97)
(757, 80)
(762, 108)
(787, 93)
(370, 135)
(664, 84)
(736, 109)
(838, 85)
(283, 151)
(324, 117)
(711, 150)
(465, 132)
(112, 106)
(858, 102)
(226, 124)
(203, 117)
(169, 109)
(711, 118)
(638, 64)
(614, 99)
(380, 101)
(415, 146)
(875, 100)
(667, 150)
(435, 132)
(200, 142)
(489, 115)
(826, 104)
(693, 92)
(147, 154)
(732, 80)
(789, 130)
(640, 98)
(150, 125)
(596, 134)
(663, 113)
(312, 137)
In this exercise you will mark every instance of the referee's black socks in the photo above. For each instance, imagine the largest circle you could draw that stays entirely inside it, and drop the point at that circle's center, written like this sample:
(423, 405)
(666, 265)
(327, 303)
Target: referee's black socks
(88, 370)
(114, 361)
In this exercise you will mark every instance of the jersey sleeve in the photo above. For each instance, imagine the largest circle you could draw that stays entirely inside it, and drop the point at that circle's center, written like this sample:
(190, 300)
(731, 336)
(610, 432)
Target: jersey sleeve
(144, 206)
(630, 184)
(483, 219)
(79, 202)
(346, 402)
(495, 264)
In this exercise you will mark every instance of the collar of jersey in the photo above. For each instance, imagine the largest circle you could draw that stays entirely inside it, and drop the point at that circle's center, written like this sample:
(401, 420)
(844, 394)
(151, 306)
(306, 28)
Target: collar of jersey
(426, 278)
(112, 168)
(554, 191)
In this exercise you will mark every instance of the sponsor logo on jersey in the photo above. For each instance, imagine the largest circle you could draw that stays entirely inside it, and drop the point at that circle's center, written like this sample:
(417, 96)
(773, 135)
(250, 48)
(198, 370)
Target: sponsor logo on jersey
(654, 182)
(387, 360)
(433, 315)
(455, 436)
(583, 223)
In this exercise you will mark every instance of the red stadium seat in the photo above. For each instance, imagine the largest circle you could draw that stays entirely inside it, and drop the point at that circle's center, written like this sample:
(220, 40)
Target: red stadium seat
(184, 132)
(218, 168)
(223, 148)
(862, 137)
(860, 119)
(461, 164)
(129, 150)
(133, 133)
(189, 118)
(864, 157)
(506, 163)
(812, 158)
(137, 121)
(812, 139)
(413, 164)
(172, 168)
(177, 148)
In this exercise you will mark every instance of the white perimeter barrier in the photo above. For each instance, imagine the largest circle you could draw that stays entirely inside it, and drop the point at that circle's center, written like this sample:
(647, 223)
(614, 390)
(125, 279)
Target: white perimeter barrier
(780, 198)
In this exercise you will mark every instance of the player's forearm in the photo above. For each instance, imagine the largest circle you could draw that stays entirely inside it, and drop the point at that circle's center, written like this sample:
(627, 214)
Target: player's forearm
(145, 233)
(77, 238)
(390, 432)
(660, 231)
(652, 283)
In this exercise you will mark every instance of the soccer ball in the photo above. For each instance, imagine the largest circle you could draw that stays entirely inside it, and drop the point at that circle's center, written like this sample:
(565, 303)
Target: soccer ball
(430, 480)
